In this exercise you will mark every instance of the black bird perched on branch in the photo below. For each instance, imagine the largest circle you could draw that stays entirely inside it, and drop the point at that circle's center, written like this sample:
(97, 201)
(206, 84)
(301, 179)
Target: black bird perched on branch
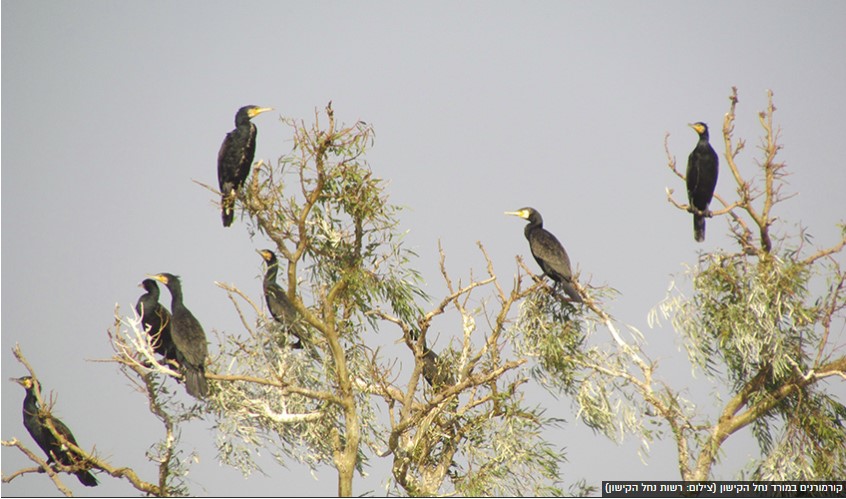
(157, 319)
(548, 252)
(435, 372)
(277, 299)
(188, 338)
(235, 159)
(36, 423)
(702, 169)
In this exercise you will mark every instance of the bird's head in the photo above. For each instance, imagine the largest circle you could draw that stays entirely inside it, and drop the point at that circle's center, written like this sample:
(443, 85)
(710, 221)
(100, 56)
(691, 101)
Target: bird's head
(253, 111)
(27, 382)
(524, 213)
(164, 278)
(268, 255)
(148, 284)
(699, 127)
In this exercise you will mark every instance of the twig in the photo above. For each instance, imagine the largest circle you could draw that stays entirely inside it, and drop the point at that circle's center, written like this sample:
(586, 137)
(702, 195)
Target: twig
(42, 467)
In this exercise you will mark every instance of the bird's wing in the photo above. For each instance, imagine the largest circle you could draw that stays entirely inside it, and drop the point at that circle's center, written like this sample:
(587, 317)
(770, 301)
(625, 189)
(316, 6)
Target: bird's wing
(701, 176)
(283, 310)
(278, 303)
(63, 430)
(546, 247)
(249, 151)
(223, 173)
(163, 315)
(190, 340)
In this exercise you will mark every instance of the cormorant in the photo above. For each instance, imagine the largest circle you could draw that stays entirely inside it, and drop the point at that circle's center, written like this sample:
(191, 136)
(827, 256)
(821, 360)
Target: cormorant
(188, 338)
(35, 423)
(435, 372)
(547, 251)
(235, 159)
(277, 299)
(156, 319)
(702, 169)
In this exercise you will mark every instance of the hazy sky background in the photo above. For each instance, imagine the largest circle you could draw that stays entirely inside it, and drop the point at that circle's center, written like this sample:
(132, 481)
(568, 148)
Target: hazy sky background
(110, 109)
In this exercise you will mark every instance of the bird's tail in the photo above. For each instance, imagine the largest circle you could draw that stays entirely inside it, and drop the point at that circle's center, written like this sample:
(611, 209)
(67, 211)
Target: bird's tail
(195, 381)
(298, 332)
(227, 209)
(568, 288)
(699, 228)
(86, 478)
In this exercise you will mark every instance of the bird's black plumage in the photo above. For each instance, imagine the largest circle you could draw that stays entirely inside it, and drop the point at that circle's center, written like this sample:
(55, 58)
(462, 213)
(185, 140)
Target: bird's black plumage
(35, 423)
(701, 177)
(435, 371)
(235, 159)
(548, 252)
(188, 338)
(277, 299)
(156, 319)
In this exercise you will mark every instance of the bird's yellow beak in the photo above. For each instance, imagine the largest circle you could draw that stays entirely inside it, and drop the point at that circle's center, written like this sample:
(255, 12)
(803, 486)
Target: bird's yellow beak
(257, 111)
(24, 382)
(162, 279)
(520, 213)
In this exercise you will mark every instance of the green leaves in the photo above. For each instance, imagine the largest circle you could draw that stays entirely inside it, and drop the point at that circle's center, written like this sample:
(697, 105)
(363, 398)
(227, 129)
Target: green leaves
(550, 330)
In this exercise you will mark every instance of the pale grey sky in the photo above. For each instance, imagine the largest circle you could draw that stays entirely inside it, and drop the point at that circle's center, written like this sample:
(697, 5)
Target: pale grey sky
(110, 109)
